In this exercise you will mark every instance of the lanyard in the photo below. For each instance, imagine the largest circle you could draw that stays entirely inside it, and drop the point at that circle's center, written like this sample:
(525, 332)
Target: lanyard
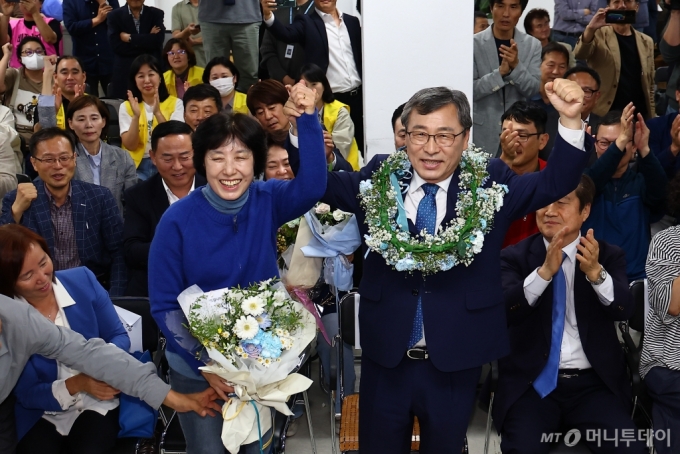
(290, 20)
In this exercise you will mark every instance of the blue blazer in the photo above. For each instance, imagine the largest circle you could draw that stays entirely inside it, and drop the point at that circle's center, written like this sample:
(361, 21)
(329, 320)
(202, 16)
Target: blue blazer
(96, 220)
(310, 31)
(530, 327)
(660, 143)
(93, 315)
(464, 315)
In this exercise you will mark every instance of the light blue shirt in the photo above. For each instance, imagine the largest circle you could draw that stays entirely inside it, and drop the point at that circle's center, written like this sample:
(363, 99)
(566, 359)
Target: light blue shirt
(95, 163)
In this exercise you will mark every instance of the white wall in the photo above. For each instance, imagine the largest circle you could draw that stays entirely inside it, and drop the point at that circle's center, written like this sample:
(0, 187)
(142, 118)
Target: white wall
(548, 5)
(408, 46)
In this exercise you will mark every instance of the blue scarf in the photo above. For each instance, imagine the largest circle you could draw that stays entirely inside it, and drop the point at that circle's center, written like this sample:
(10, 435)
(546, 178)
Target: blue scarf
(224, 206)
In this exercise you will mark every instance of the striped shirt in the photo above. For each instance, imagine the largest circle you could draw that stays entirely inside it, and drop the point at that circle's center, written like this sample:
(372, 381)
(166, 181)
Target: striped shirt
(661, 344)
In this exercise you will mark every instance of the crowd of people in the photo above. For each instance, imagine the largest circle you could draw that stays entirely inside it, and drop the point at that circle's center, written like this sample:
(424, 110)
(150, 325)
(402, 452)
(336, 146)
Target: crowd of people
(246, 117)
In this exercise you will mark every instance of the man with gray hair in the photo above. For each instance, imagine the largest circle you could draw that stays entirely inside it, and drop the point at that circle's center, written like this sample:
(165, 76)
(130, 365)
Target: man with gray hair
(434, 219)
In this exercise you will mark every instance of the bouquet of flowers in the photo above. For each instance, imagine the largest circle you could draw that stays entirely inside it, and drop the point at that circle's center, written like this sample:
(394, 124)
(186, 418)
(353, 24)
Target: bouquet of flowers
(255, 336)
(335, 236)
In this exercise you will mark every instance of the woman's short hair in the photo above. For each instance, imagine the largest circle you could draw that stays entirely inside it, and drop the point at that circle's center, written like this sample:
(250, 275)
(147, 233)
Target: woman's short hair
(27, 39)
(222, 128)
(151, 62)
(265, 93)
(220, 61)
(82, 102)
(313, 73)
(183, 44)
(15, 240)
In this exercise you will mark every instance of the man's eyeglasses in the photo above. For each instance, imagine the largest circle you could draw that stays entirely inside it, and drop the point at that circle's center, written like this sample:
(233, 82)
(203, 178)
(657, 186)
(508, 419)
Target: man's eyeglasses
(443, 139)
(588, 93)
(171, 159)
(524, 137)
(50, 161)
(172, 53)
(30, 52)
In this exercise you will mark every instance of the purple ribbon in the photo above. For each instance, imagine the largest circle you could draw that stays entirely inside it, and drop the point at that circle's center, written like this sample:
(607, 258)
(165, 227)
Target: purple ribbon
(303, 298)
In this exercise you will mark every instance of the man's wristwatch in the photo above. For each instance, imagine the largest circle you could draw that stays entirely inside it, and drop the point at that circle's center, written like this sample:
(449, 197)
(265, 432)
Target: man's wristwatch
(601, 277)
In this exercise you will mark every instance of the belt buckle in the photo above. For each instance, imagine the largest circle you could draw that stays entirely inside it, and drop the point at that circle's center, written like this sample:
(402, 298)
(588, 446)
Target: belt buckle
(567, 375)
(411, 351)
(354, 92)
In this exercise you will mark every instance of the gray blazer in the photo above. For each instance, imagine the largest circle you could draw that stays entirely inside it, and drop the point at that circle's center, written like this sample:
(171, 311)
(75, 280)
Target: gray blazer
(25, 332)
(117, 171)
(492, 93)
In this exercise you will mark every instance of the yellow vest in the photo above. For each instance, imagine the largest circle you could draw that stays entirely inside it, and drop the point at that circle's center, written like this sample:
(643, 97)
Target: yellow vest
(240, 103)
(194, 77)
(61, 116)
(167, 109)
(330, 116)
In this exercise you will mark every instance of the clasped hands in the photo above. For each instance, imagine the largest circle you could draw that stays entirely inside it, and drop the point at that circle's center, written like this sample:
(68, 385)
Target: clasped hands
(588, 253)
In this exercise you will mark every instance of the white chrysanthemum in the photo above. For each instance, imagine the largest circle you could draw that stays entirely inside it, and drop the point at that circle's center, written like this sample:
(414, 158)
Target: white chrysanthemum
(253, 305)
(280, 297)
(246, 327)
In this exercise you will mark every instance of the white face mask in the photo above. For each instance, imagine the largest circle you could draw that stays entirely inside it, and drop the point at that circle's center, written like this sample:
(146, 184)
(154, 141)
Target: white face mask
(34, 62)
(225, 85)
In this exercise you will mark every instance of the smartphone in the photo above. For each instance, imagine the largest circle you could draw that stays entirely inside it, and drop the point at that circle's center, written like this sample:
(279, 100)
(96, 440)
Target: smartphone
(285, 3)
(620, 16)
(21, 178)
(197, 26)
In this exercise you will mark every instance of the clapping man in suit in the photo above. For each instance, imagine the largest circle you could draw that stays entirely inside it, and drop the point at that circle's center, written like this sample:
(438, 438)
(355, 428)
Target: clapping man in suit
(172, 153)
(566, 368)
(332, 41)
(80, 221)
(425, 338)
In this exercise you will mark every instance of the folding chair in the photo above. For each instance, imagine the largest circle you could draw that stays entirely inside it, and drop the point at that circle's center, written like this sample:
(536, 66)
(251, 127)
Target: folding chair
(349, 420)
(112, 126)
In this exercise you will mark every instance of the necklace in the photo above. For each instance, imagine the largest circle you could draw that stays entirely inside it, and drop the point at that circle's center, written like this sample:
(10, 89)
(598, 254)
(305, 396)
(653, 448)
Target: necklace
(456, 243)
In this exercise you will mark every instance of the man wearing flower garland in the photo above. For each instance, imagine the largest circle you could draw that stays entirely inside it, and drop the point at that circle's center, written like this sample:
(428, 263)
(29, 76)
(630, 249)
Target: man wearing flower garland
(432, 307)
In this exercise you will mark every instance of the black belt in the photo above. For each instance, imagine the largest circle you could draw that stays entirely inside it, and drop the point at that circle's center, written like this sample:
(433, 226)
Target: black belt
(354, 92)
(417, 353)
(573, 373)
(572, 34)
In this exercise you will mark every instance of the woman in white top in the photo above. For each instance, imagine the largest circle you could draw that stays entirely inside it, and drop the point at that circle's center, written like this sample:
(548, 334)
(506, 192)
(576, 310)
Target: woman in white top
(59, 409)
(148, 104)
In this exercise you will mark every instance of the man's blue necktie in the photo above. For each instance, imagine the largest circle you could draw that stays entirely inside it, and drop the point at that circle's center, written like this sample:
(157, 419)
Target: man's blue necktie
(426, 218)
(547, 379)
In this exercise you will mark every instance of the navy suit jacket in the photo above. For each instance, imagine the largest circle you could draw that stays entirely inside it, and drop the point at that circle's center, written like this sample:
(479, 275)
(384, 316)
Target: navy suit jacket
(145, 204)
(660, 142)
(310, 31)
(530, 327)
(97, 223)
(464, 316)
(93, 316)
(341, 164)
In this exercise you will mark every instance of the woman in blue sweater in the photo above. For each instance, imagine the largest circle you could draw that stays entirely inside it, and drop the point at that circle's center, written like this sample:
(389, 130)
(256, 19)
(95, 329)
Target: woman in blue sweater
(224, 235)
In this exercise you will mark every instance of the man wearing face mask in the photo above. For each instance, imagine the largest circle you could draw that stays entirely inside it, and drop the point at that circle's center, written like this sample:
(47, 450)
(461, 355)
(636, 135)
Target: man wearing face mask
(21, 87)
(222, 74)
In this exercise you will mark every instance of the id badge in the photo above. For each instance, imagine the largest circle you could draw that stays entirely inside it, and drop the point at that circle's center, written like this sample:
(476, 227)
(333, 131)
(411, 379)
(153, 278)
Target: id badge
(289, 51)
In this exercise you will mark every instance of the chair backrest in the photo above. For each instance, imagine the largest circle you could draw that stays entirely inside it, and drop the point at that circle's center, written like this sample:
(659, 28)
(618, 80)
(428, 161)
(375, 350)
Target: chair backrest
(637, 319)
(662, 74)
(347, 318)
(113, 129)
(140, 306)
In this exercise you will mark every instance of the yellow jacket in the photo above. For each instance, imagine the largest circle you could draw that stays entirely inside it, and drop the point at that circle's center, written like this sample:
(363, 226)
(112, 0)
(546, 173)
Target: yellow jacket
(330, 116)
(194, 77)
(604, 56)
(167, 109)
(240, 103)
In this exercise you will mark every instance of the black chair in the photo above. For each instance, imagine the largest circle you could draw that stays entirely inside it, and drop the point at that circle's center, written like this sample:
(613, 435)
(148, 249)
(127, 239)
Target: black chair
(151, 341)
(113, 126)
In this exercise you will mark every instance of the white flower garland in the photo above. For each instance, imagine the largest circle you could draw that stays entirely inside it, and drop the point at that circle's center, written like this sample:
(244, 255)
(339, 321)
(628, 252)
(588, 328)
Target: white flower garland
(457, 243)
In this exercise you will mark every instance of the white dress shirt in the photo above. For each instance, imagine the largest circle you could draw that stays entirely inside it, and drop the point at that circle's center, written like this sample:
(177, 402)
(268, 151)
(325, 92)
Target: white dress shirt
(342, 73)
(74, 405)
(416, 193)
(172, 198)
(572, 355)
(95, 162)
